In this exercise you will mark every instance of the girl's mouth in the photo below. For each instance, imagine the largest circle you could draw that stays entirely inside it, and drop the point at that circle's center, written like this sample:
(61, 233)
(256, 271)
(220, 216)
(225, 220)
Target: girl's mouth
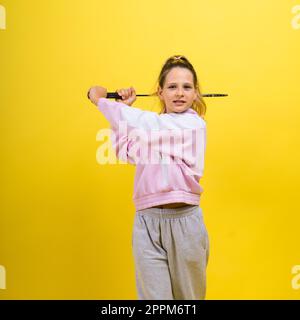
(179, 102)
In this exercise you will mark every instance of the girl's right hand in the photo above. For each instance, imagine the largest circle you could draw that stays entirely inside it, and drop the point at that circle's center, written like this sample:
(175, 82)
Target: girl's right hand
(97, 92)
(128, 96)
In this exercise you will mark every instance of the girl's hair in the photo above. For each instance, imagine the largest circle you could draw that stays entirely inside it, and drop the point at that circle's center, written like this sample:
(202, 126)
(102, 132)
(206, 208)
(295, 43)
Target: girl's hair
(181, 61)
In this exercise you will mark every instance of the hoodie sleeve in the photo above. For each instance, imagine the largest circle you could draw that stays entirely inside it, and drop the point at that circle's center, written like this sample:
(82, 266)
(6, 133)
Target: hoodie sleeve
(115, 112)
(123, 146)
(124, 120)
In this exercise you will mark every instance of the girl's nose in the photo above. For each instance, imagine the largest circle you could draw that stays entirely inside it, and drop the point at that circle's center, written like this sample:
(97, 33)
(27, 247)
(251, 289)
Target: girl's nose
(179, 92)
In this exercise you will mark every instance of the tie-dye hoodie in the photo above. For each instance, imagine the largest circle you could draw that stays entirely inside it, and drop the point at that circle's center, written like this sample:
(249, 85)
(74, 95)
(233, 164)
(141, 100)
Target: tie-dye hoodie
(167, 150)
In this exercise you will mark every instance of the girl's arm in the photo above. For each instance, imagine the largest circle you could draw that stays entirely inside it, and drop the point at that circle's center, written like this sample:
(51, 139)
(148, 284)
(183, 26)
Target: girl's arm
(120, 141)
(121, 110)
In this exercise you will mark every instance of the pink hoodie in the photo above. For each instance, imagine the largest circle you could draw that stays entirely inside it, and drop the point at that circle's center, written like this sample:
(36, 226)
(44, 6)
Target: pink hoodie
(167, 149)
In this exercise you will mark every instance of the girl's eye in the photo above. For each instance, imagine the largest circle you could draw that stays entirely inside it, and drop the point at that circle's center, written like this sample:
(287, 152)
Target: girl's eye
(185, 87)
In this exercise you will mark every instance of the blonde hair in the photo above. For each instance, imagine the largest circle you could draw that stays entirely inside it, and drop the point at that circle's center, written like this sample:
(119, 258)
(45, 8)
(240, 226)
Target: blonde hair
(199, 104)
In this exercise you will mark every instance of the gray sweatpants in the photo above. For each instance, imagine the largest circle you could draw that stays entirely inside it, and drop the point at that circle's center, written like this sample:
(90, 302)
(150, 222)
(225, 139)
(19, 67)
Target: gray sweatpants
(171, 250)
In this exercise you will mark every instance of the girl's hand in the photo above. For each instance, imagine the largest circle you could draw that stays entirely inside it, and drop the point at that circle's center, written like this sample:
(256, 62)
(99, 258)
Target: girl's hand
(97, 92)
(128, 96)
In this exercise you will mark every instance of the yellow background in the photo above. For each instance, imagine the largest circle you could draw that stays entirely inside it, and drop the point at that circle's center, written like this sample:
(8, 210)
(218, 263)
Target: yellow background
(66, 221)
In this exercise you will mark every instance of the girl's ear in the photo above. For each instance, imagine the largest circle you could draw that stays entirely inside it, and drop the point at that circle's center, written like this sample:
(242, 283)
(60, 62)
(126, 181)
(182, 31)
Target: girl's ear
(159, 91)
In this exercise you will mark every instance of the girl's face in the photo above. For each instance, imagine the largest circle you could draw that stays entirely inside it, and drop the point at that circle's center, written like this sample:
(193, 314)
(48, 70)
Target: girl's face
(178, 92)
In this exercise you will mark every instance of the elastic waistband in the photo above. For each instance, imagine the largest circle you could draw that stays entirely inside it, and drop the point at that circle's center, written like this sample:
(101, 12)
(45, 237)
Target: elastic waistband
(170, 212)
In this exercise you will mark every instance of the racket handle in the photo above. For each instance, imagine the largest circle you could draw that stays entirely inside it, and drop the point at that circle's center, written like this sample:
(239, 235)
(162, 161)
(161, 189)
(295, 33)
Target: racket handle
(115, 95)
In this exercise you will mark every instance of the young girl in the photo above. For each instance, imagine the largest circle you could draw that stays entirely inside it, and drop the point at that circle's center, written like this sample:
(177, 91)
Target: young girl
(169, 239)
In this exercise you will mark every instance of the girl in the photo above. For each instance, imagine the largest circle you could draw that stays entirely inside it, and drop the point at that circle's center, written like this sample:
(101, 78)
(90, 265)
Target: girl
(169, 239)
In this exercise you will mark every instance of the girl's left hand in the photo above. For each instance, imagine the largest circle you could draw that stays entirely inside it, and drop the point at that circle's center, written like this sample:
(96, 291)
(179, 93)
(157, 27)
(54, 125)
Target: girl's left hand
(97, 92)
(128, 95)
